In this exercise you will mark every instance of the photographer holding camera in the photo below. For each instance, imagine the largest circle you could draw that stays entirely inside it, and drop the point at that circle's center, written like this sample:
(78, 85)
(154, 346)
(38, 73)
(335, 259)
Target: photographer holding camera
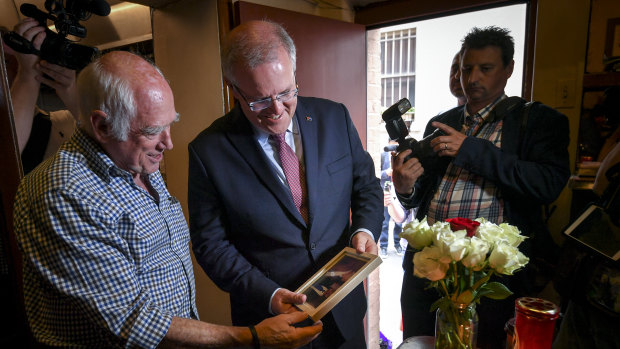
(498, 158)
(48, 57)
(39, 134)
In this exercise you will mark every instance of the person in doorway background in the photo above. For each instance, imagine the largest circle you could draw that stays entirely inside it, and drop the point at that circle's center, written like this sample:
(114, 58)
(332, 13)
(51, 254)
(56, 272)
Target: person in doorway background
(455, 80)
(386, 184)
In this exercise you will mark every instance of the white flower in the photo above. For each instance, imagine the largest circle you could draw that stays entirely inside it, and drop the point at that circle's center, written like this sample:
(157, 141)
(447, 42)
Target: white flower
(441, 227)
(477, 254)
(417, 233)
(506, 259)
(494, 234)
(512, 235)
(427, 264)
(489, 232)
(454, 244)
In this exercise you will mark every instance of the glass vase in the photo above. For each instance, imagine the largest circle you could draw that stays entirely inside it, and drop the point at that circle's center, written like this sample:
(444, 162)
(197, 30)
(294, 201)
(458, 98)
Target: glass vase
(456, 327)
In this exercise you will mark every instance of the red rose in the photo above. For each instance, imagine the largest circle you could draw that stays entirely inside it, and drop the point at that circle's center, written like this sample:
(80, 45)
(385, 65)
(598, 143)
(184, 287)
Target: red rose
(460, 223)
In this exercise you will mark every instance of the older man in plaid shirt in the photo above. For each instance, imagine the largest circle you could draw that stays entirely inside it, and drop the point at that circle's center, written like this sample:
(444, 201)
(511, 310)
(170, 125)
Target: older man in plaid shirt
(105, 246)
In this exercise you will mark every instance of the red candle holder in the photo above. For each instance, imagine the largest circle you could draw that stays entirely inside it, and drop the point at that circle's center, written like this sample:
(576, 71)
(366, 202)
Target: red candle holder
(535, 322)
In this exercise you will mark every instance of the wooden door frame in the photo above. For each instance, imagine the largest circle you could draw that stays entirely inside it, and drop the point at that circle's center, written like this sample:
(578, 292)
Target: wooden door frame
(12, 173)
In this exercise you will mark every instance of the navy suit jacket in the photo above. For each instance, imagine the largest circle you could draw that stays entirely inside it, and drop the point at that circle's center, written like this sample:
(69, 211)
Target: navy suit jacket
(246, 231)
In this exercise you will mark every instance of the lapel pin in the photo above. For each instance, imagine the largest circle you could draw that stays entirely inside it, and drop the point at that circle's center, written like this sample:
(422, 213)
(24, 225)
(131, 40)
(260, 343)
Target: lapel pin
(308, 118)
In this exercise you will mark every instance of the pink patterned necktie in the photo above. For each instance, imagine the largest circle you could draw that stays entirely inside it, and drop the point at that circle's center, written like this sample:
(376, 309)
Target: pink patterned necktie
(294, 173)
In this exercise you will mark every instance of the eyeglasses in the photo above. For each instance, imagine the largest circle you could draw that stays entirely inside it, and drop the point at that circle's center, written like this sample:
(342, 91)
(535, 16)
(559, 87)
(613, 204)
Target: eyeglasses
(267, 102)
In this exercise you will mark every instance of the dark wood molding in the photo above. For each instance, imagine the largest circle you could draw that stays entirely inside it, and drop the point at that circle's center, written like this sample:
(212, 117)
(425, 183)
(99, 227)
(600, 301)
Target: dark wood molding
(154, 3)
(226, 21)
(530, 49)
(11, 175)
(601, 81)
(394, 11)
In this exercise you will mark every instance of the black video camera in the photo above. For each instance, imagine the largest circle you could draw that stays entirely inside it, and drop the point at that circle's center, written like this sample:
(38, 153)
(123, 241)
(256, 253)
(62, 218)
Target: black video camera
(397, 130)
(66, 15)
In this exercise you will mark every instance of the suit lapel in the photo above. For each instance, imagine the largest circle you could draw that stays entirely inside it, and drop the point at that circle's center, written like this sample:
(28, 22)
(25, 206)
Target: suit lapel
(241, 136)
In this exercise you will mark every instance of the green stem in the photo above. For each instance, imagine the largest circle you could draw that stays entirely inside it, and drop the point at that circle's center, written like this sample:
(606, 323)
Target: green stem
(452, 325)
(442, 282)
(456, 275)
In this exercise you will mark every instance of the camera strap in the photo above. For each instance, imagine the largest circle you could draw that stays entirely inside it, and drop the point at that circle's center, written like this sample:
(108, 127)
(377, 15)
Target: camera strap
(525, 114)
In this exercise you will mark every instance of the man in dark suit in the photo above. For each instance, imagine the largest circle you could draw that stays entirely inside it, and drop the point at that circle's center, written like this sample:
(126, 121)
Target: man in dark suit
(499, 160)
(262, 223)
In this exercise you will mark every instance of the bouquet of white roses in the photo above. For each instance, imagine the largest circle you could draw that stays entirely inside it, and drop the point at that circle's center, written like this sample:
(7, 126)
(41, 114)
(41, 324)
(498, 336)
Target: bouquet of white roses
(460, 256)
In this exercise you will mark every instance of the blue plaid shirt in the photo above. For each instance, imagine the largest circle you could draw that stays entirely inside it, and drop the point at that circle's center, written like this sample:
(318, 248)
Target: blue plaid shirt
(105, 264)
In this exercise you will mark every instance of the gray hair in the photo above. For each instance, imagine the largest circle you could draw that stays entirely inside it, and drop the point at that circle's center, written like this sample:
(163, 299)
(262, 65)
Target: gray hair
(101, 89)
(252, 48)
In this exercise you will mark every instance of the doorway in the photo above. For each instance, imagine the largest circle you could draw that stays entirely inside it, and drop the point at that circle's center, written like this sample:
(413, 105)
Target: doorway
(413, 60)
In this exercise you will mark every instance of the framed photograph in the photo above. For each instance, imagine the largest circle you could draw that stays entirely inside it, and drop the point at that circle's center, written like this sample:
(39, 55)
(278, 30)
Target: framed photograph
(612, 40)
(335, 280)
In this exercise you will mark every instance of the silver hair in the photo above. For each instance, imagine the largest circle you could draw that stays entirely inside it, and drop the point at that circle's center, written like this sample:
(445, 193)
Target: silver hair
(252, 49)
(100, 89)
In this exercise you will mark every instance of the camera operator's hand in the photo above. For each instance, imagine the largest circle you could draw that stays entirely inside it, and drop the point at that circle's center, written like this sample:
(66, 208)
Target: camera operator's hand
(448, 144)
(25, 86)
(62, 80)
(32, 31)
(405, 174)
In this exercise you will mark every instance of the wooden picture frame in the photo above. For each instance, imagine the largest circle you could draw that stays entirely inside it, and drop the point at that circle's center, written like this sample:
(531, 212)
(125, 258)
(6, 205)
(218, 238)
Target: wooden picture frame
(328, 286)
(612, 38)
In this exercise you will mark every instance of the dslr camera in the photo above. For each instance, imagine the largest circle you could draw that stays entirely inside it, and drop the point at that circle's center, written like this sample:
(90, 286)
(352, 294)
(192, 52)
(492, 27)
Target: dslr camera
(66, 15)
(398, 131)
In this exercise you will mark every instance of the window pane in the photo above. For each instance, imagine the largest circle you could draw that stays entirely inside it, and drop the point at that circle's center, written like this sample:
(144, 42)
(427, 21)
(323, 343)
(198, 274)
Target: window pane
(405, 59)
(382, 57)
(412, 55)
(383, 88)
(388, 58)
(397, 57)
(397, 66)
(392, 91)
(411, 94)
(387, 92)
